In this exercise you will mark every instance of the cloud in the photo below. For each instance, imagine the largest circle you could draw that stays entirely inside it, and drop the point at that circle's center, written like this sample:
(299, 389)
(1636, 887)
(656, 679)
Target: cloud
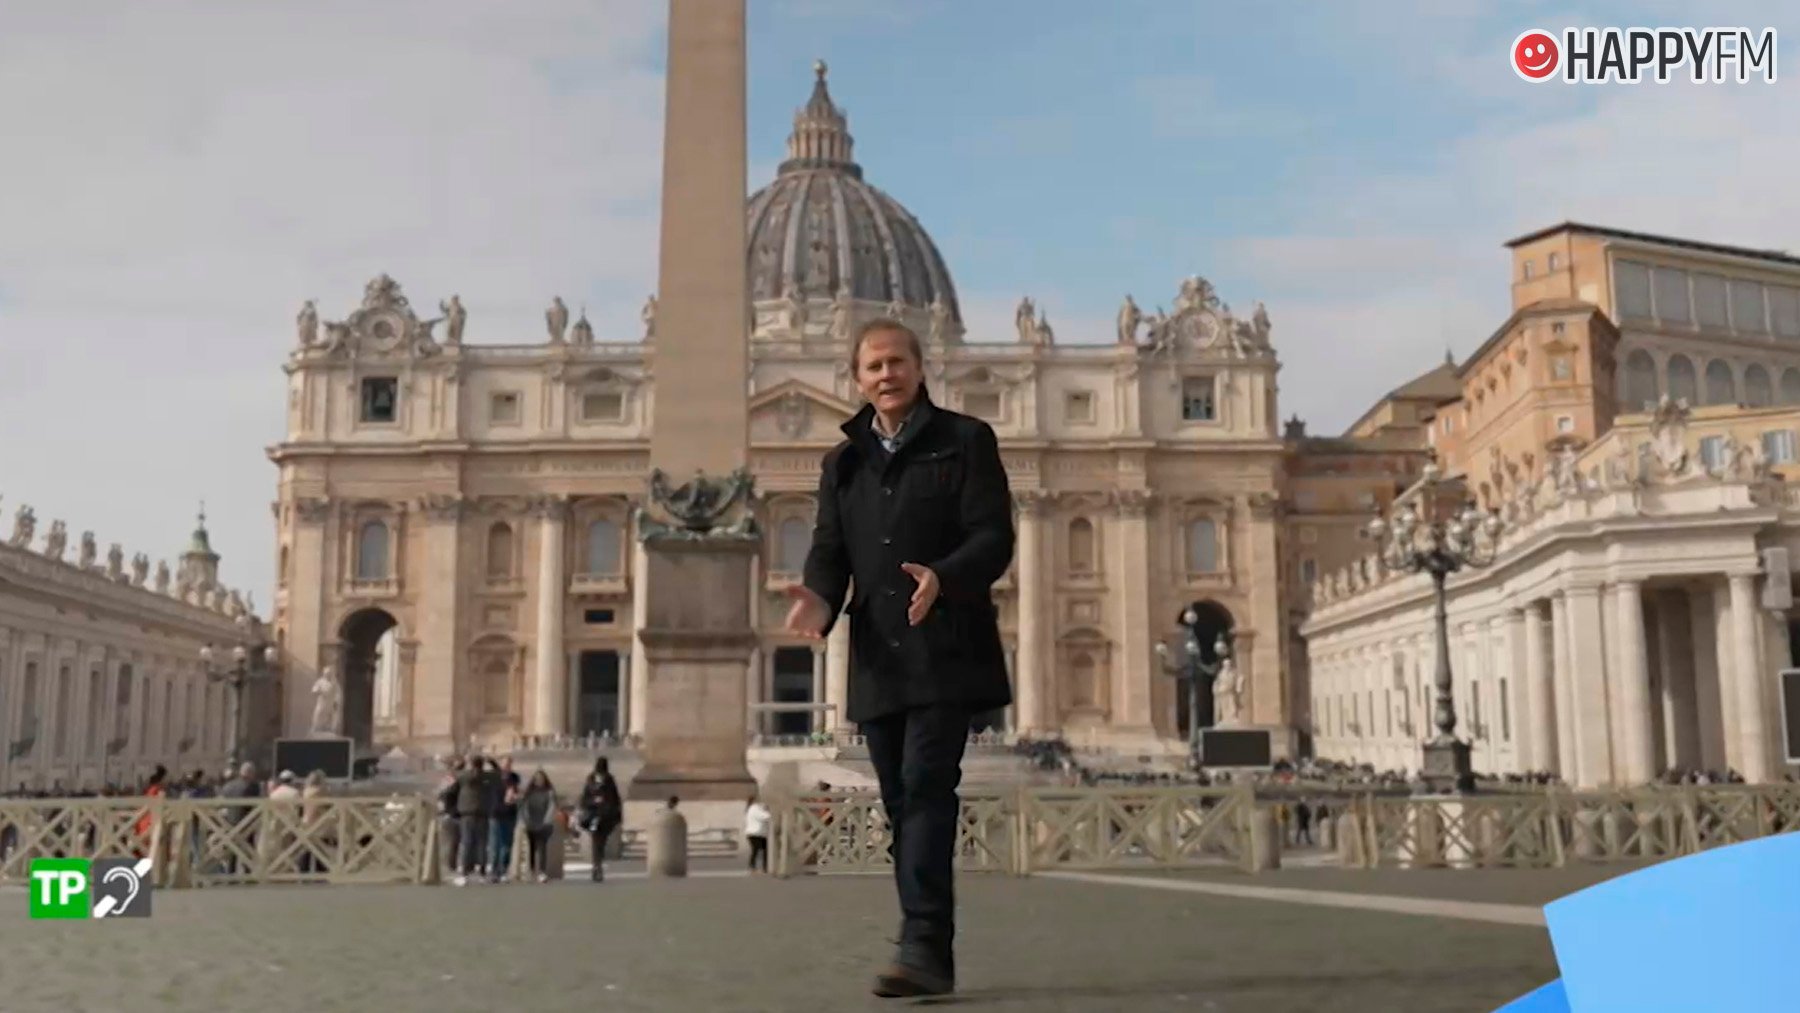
(1386, 270)
(183, 176)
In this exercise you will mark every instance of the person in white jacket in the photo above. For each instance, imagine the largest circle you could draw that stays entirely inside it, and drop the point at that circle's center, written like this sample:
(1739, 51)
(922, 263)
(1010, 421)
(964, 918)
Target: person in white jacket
(757, 819)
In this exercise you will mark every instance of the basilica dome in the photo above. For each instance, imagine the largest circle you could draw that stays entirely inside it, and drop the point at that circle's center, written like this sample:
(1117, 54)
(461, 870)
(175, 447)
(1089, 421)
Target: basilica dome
(820, 230)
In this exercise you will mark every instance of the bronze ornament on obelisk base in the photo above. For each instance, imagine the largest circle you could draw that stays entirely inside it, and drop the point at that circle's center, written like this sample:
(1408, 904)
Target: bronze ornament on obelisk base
(700, 543)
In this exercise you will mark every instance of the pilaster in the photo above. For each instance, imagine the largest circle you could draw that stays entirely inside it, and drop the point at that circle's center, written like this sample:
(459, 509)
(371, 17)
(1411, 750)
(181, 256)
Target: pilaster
(433, 711)
(1030, 672)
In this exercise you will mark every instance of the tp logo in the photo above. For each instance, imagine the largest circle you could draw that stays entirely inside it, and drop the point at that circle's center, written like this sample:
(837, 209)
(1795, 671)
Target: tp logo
(90, 888)
(1535, 55)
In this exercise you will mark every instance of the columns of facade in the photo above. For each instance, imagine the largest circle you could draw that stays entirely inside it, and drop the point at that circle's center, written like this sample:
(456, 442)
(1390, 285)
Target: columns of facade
(1680, 725)
(1030, 676)
(1539, 718)
(1137, 663)
(1562, 699)
(1587, 687)
(433, 703)
(837, 674)
(640, 659)
(1631, 722)
(548, 716)
(816, 720)
(1746, 681)
(1265, 692)
(1705, 642)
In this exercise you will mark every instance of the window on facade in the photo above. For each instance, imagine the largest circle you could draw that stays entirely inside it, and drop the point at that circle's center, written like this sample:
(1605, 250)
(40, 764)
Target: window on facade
(603, 548)
(1528, 270)
(1081, 674)
(1081, 545)
(983, 404)
(1670, 288)
(1712, 452)
(1759, 390)
(1198, 404)
(1748, 314)
(1203, 546)
(1078, 406)
(1561, 369)
(602, 406)
(28, 705)
(96, 719)
(1778, 446)
(121, 729)
(1631, 284)
(503, 409)
(1565, 423)
(793, 539)
(1309, 571)
(1505, 714)
(1683, 384)
(1790, 386)
(1721, 385)
(500, 552)
(1556, 262)
(1640, 381)
(1784, 312)
(380, 399)
(64, 715)
(372, 552)
(1710, 301)
(496, 687)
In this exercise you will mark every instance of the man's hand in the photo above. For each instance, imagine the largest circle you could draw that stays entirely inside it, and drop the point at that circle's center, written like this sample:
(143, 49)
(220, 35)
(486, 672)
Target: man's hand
(809, 613)
(923, 595)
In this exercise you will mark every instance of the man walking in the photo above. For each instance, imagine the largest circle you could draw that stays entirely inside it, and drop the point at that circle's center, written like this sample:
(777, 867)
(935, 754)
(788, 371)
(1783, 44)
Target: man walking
(914, 505)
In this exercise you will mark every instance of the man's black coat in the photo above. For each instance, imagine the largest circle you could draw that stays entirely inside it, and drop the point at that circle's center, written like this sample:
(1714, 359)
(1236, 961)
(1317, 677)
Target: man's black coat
(941, 500)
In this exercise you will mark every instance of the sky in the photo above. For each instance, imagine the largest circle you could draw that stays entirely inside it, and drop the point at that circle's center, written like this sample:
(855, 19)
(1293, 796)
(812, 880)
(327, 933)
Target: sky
(180, 176)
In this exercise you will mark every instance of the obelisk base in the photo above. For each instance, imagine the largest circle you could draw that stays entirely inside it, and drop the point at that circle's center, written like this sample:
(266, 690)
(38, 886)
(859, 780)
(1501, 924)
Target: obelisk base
(697, 641)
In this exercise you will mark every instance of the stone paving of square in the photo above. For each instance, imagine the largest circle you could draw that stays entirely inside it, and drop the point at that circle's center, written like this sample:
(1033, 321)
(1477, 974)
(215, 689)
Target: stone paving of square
(731, 942)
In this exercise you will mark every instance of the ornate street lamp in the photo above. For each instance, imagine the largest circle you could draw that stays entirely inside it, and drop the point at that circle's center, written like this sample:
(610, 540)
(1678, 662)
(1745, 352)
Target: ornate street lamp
(235, 676)
(1195, 670)
(1438, 539)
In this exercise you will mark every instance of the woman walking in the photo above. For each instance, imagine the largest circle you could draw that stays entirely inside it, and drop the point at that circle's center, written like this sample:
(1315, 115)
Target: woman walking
(538, 811)
(601, 812)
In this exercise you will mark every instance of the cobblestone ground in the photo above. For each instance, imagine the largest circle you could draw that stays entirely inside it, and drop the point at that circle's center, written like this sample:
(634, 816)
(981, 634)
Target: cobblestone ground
(742, 944)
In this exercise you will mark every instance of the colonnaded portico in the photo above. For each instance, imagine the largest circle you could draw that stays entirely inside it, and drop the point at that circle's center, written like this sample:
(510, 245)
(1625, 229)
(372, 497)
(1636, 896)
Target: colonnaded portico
(1634, 621)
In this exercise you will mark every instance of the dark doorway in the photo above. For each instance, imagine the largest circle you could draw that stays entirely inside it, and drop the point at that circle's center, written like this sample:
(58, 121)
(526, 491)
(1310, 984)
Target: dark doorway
(597, 704)
(793, 684)
(1210, 620)
(361, 635)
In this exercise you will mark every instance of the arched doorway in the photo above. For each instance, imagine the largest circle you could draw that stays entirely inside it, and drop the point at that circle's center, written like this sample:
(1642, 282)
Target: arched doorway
(1210, 619)
(368, 638)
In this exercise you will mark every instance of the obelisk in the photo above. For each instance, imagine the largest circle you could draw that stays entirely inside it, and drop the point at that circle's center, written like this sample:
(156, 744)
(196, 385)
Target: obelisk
(696, 633)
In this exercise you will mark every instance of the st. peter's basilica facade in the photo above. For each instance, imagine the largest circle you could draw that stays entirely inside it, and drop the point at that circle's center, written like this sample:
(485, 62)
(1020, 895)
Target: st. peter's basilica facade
(455, 519)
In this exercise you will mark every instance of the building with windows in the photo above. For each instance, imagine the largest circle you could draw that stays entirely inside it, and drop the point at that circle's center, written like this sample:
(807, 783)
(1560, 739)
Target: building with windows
(455, 520)
(1633, 422)
(101, 672)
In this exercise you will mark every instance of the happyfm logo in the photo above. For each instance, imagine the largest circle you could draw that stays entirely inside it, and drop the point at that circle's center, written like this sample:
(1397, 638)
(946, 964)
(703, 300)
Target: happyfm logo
(1535, 54)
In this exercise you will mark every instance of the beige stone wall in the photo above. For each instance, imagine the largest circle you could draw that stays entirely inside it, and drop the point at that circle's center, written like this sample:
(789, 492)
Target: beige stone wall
(101, 677)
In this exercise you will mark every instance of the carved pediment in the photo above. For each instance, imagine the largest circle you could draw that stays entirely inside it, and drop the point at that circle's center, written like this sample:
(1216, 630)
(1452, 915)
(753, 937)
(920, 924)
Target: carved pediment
(793, 410)
(384, 326)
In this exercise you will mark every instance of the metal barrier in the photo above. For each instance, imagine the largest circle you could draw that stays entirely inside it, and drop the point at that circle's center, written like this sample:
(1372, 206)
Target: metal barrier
(1016, 831)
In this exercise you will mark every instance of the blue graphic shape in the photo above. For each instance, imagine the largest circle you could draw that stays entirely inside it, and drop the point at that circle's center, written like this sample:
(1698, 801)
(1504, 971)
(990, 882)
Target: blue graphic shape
(1548, 999)
(1711, 931)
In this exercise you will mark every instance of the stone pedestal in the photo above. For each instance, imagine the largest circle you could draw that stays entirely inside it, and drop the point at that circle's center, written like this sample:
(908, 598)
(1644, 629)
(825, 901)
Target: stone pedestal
(697, 641)
(665, 845)
(1265, 841)
(1445, 767)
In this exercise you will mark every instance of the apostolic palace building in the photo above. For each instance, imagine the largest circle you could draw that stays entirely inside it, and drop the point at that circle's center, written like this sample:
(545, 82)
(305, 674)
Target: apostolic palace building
(456, 516)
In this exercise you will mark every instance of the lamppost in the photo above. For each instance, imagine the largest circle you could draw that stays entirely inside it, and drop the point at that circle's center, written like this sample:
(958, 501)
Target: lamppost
(1438, 541)
(1194, 669)
(235, 676)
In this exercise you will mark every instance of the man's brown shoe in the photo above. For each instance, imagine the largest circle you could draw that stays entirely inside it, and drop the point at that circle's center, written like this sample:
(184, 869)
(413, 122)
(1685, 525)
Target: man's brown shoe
(899, 981)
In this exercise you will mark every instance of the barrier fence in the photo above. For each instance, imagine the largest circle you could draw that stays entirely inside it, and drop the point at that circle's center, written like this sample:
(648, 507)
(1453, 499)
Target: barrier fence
(1016, 831)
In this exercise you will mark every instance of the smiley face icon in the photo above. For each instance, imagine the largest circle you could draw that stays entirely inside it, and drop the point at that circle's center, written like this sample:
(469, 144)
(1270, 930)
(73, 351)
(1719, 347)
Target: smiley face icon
(1535, 55)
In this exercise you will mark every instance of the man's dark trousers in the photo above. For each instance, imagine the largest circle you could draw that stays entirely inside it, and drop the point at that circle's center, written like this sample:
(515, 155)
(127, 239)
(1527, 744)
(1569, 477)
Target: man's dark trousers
(917, 755)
